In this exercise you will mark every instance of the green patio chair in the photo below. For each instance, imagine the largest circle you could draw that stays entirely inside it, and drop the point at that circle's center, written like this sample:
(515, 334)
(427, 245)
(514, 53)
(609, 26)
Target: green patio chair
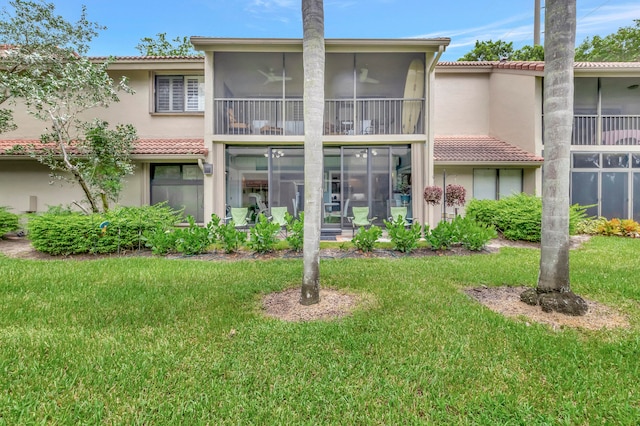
(397, 212)
(360, 218)
(278, 216)
(239, 217)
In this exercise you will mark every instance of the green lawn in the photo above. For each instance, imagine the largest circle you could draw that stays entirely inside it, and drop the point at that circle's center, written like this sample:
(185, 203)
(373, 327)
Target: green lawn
(146, 341)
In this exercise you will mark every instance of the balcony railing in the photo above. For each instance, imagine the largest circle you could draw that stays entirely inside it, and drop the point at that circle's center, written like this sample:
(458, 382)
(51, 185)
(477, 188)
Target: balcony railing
(614, 130)
(380, 116)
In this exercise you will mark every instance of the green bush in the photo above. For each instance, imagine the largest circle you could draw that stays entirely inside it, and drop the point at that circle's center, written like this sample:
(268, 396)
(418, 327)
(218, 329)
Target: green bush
(8, 221)
(441, 237)
(404, 238)
(193, 239)
(518, 217)
(229, 237)
(161, 240)
(262, 237)
(295, 231)
(365, 239)
(471, 234)
(61, 232)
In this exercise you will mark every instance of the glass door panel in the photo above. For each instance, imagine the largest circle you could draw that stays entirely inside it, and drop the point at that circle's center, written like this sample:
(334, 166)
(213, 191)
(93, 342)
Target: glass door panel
(355, 178)
(615, 195)
(584, 190)
(287, 179)
(332, 212)
(380, 188)
(636, 197)
(247, 179)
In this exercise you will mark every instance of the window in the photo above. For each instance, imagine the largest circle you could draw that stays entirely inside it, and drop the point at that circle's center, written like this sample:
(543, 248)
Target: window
(179, 93)
(609, 187)
(180, 186)
(492, 184)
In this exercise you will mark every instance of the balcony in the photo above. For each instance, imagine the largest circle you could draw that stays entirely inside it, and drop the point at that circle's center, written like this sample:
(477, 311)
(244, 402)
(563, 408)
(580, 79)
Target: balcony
(370, 116)
(606, 130)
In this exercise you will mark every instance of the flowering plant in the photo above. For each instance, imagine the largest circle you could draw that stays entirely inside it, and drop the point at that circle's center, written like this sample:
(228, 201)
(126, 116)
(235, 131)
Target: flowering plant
(455, 195)
(432, 194)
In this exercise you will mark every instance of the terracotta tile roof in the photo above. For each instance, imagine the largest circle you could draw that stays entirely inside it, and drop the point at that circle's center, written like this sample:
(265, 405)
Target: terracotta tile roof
(166, 147)
(481, 149)
(194, 58)
(170, 147)
(537, 65)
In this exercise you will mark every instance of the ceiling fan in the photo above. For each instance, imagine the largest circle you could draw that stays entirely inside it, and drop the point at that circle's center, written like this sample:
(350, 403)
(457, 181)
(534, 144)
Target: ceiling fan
(272, 77)
(364, 77)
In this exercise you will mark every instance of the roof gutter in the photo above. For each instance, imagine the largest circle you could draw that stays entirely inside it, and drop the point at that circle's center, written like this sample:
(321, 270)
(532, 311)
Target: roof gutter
(434, 62)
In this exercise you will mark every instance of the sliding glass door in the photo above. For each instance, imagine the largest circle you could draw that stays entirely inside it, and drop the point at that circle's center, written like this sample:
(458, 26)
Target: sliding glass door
(261, 177)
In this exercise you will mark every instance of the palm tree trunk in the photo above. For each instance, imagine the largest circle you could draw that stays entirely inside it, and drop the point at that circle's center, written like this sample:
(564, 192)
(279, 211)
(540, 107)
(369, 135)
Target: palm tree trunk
(553, 292)
(313, 59)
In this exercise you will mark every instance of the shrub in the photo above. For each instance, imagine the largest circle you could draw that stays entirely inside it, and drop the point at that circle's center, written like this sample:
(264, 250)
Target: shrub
(295, 231)
(230, 237)
(365, 239)
(262, 237)
(471, 234)
(62, 232)
(590, 226)
(193, 239)
(161, 240)
(519, 216)
(441, 237)
(8, 221)
(613, 227)
(405, 239)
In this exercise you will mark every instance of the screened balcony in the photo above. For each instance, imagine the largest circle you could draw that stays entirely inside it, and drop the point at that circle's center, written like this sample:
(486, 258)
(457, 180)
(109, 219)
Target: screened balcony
(261, 93)
(371, 116)
(606, 111)
(606, 130)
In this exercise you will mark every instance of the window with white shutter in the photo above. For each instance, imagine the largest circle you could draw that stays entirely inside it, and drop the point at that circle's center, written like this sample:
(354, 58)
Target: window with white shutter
(195, 93)
(178, 93)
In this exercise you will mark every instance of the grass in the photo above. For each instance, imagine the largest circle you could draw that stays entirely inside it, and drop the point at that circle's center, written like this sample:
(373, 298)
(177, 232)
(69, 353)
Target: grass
(146, 341)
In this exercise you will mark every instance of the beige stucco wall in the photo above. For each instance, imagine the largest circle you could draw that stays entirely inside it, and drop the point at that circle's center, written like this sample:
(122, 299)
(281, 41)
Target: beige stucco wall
(512, 109)
(21, 179)
(132, 109)
(462, 104)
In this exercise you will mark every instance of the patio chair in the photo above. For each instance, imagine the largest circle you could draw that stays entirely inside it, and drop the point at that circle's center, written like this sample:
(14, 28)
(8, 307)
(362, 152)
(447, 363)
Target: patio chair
(262, 207)
(360, 218)
(270, 130)
(239, 217)
(278, 216)
(397, 212)
(235, 126)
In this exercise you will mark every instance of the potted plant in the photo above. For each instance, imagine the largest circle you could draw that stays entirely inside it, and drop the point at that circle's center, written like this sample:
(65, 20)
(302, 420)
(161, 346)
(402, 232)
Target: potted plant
(432, 194)
(455, 195)
(405, 192)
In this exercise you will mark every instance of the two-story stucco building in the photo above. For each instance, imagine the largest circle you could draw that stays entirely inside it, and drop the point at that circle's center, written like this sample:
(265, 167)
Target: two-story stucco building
(227, 130)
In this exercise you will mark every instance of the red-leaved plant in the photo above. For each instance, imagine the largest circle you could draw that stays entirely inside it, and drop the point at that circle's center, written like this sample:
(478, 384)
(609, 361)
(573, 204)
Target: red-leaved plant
(432, 194)
(455, 195)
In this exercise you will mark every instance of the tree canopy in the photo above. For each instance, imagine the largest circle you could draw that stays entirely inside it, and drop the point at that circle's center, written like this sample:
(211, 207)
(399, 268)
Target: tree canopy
(499, 50)
(44, 67)
(160, 46)
(621, 46)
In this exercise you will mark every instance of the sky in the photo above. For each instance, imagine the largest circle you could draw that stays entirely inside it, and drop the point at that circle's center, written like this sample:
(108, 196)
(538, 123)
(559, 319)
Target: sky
(464, 21)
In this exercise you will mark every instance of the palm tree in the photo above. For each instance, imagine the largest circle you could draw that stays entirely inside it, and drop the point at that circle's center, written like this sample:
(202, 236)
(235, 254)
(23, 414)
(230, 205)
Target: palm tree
(553, 292)
(313, 58)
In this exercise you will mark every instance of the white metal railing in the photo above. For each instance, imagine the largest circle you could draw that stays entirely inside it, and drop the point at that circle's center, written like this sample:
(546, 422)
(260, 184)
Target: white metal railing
(385, 116)
(605, 130)
(621, 130)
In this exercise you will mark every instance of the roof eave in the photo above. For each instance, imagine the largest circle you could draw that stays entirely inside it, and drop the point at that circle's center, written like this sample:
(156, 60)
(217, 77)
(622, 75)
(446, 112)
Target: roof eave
(526, 163)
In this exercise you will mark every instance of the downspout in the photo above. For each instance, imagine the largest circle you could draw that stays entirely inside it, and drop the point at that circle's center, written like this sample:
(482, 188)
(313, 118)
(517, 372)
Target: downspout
(433, 64)
(428, 178)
